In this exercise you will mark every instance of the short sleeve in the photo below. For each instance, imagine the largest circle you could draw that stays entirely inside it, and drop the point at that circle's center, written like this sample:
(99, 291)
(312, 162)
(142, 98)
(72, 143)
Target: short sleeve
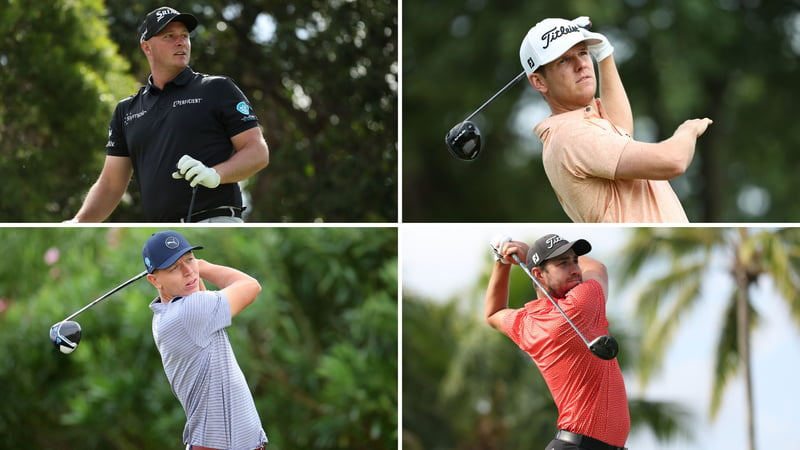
(512, 326)
(587, 149)
(205, 313)
(233, 108)
(116, 144)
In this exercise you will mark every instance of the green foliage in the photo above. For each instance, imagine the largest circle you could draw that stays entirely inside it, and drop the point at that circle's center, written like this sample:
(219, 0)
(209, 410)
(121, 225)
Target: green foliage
(318, 347)
(324, 86)
(735, 62)
(60, 78)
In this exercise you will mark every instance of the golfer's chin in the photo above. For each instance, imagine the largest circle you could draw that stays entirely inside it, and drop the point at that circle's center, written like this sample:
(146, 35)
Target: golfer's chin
(191, 287)
(572, 285)
(585, 97)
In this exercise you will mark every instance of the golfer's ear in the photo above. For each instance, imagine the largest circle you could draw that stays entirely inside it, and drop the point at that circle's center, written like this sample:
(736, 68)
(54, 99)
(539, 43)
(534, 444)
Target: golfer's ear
(153, 280)
(538, 82)
(145, 47)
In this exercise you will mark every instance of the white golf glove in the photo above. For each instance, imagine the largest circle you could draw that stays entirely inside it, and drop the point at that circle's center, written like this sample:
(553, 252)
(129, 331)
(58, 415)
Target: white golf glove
(196, 173)
(599, 51)
(582, 21)
(497, 245)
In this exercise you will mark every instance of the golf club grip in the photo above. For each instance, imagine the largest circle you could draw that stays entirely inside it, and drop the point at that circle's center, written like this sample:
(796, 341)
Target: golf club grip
(552, 300)
(503, 89)
(106, 295)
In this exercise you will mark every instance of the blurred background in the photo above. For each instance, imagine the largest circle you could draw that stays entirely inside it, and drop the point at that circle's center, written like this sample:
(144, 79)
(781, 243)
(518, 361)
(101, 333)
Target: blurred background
(318, 347)
(675, 295)
(735, 61)
(321, 76)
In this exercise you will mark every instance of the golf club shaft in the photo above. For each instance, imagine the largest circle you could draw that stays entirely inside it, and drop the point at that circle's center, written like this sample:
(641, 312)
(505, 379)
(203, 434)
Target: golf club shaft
(106, 295)
(191, 204)
(546, 294)
(504, 88)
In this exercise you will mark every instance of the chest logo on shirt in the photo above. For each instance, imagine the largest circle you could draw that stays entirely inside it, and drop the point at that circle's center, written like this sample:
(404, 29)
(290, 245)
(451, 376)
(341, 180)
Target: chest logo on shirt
(188, 101)
(133, 116)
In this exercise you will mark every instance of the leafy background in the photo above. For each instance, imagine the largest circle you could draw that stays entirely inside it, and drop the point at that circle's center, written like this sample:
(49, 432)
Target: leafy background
(733, 61)
(322, 77)
(318, 347)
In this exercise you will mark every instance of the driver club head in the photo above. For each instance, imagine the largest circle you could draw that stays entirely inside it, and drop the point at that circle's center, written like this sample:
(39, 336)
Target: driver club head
(66, 336)
(464, 141)
(604, 347)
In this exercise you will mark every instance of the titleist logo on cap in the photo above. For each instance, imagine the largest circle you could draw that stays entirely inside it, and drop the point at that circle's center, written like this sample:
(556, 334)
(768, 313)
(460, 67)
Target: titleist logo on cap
(556, 32)
(550, 242)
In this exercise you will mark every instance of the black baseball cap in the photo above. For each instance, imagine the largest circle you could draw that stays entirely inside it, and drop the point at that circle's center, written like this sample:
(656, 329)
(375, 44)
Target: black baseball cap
(552, 245)
(159, 18)
(163, 249)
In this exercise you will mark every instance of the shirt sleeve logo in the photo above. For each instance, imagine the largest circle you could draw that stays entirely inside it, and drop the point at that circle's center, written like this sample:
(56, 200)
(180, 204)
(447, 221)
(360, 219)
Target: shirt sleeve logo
(243, 108)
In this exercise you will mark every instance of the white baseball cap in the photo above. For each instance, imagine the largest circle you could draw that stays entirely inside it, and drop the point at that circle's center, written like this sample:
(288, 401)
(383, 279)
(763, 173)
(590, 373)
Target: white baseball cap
(547, 41)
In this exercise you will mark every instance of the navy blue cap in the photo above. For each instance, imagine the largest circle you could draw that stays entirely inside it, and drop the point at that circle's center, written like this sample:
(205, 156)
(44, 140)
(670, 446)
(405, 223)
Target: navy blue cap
(163, 249)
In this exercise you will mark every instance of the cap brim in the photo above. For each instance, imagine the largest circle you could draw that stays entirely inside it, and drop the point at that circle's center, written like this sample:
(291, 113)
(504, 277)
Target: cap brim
(187, 19)
(171, 260)
(581, 247)
(589, 41)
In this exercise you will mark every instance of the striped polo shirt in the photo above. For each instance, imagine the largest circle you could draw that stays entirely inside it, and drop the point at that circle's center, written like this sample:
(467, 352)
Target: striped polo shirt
(203, 373)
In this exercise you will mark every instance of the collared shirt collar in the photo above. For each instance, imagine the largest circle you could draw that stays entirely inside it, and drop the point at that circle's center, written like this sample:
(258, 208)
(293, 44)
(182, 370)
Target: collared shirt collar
(182, 79)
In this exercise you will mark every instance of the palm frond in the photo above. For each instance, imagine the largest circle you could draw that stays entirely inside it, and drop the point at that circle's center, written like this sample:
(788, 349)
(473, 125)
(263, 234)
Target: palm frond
(727, 363)
(659, 332)
(667, 420)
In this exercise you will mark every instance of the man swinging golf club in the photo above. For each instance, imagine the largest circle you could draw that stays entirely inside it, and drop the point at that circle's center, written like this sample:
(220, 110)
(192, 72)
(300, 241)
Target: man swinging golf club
(189, 330)
(588, 390)
(597, 170)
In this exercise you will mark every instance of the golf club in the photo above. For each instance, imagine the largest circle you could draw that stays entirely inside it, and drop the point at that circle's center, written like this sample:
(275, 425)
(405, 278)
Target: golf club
(604, 347)
(464, 139)
(66, 334)
(191, 204)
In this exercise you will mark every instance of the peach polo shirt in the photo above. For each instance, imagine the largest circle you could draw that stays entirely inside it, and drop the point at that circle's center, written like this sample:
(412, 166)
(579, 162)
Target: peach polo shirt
(581, 151)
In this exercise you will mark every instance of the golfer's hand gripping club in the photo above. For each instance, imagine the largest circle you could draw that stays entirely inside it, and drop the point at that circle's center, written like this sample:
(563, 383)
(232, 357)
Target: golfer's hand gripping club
(497, 247)
(196, 173)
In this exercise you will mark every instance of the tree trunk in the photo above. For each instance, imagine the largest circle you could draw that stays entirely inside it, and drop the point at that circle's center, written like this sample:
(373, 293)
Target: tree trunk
(743, 334)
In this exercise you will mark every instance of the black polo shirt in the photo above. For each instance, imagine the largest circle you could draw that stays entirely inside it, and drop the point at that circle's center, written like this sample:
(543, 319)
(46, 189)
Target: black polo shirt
(196, 115)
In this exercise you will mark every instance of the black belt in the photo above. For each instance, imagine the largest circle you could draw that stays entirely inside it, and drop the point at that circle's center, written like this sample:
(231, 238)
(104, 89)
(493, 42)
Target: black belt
(586, 442)
(225, 211)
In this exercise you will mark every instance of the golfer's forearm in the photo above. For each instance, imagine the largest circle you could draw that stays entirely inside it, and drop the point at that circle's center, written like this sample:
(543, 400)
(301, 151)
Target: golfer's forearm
(661, 161)
(497, 292)
(246, 162)
(223, 276)
(590, 265)
(612, 93)
(678, 152)
(592, 269)
(99, 203)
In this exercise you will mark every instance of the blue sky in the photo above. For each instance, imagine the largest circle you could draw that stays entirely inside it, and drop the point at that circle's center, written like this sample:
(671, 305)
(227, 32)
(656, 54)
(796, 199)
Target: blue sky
(428, 253)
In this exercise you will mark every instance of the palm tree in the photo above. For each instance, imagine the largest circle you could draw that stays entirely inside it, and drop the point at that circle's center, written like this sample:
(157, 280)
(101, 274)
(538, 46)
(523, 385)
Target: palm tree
(690, 254)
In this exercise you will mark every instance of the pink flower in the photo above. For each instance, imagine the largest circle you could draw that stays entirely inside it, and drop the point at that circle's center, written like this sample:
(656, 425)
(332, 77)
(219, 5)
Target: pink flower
(51, 256)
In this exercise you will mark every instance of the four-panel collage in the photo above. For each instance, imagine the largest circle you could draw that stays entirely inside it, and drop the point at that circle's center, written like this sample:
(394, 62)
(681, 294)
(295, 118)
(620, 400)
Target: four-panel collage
(352, 225)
